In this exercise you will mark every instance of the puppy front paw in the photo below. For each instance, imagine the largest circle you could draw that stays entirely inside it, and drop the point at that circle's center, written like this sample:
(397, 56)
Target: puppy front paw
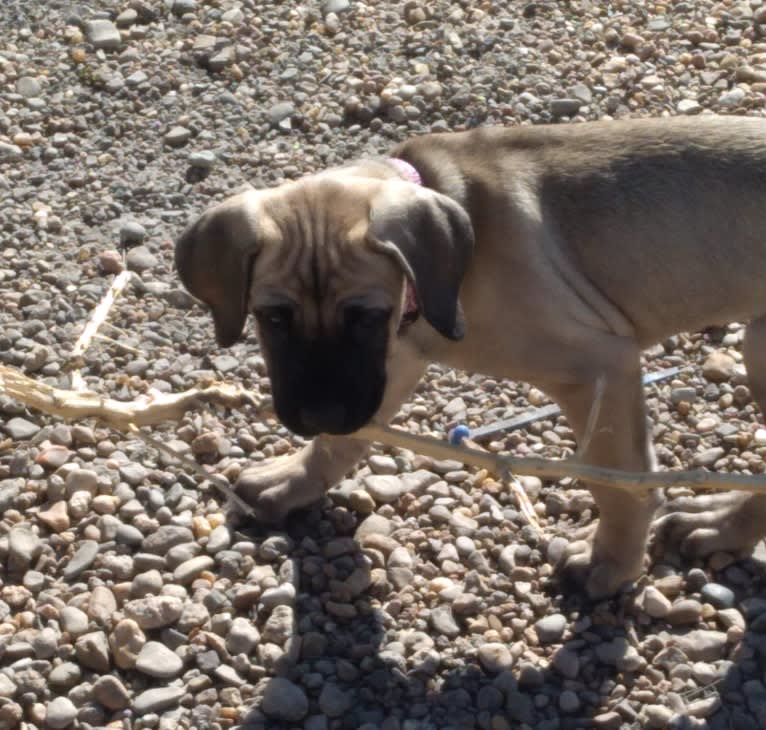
(277, 488)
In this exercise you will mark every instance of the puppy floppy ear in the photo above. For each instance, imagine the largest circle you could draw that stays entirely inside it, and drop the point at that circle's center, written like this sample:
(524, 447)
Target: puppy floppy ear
(431, 237)
(214, 258)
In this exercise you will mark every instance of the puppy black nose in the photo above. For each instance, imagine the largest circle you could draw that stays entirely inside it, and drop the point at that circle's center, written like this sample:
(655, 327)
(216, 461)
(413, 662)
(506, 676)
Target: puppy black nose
(325, 418)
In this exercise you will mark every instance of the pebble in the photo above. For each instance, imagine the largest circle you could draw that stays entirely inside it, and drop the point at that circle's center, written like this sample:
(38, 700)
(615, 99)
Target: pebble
(157, 700)
(550, 628)
(132, 233)
(718, 367)
(126, 642)
(56, 517)
(23, 547)
(565, 107)
(443, 621)
(333, 701)
(154, 612)
(384, 488)
(92, 651)
(187, 571)
(103, 34)
(718, 595)
(82, 559)
(60, 712)
(202, 159)
(157, 660)
(139, 259)
(19, 429)
(73, 620)
(283, 700)
(177, 136)
(111, 692)
(495, 657)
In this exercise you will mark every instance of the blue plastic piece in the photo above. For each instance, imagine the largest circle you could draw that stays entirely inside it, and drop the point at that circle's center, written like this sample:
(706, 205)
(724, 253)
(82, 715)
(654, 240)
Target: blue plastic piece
(457, 434)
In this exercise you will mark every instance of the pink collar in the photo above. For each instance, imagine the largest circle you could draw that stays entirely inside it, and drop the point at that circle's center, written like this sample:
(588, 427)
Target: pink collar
(406, 170)
(410, 311)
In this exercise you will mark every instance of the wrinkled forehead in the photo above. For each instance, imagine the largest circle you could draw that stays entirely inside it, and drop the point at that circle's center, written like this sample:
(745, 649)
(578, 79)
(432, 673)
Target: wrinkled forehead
(314, 240)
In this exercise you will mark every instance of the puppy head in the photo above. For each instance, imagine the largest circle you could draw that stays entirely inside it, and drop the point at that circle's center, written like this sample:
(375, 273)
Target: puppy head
(322, 264)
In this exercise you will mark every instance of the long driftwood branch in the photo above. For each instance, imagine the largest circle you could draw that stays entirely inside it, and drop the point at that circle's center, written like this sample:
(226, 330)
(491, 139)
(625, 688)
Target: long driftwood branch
(152, 409)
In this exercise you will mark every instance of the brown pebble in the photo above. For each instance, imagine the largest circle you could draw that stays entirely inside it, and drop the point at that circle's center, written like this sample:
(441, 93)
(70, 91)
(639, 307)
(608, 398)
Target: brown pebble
(56, 517)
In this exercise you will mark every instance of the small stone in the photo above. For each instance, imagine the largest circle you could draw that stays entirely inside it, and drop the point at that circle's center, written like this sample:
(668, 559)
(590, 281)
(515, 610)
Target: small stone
(550, 628)
(333, 701)
(189, 570)
(384, 488)
(373, 525)
(126, 641)
(65, 675)
(28, 87)
(219, 539)
(225, 363)
(73, 620)
(279, 625)
(654, 603)
(228, 675)
(157, 660)
(132, 233)
(55, 517)
(19, 429)
(111, 692)
(103, 34)
(718, 595)
(203, 160)
(565, 107)
(243, 637)
(81, 560)
(658, 716)
(732, 98)
(283, 700)
(703, 645)
(93, 651)
(166, 537)
(718, 367)
(281, 595)
(566, 662)
(177, 136)
(280, 112)
(53, 457)
(157, 700)
(154, 612)
(569, 702)
(23, 547)
(60, 712)
(443, 621)
(495, 657)
(140, 259)
(688, 107)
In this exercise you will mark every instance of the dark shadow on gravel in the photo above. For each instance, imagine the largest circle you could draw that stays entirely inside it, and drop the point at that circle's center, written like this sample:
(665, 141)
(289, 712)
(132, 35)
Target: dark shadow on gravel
(357, 674)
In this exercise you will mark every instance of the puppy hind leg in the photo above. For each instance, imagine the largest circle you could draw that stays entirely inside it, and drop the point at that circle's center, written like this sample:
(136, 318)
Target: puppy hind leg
(731, 522)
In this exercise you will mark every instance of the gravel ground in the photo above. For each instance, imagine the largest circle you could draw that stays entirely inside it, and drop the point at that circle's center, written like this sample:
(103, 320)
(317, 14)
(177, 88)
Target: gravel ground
(415, 597)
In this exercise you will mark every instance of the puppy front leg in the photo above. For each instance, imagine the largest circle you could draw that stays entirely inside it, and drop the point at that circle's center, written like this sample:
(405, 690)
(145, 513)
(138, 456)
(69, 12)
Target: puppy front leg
(616, 438)
(287, 483)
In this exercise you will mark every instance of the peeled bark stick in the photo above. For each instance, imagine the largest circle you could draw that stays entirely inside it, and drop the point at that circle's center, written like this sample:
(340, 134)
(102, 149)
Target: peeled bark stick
(74, 405)
(97, 318)
(563, 468)
(145, 411)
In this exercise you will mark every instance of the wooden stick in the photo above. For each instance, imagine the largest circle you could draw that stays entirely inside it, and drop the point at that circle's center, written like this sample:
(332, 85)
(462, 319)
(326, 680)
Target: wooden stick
(147, 410)
(157, 407)
(562, 468)
(97, 318)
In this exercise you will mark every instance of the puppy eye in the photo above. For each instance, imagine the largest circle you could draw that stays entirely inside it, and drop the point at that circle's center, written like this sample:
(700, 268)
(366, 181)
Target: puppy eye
(278, 317)
(365, 317)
